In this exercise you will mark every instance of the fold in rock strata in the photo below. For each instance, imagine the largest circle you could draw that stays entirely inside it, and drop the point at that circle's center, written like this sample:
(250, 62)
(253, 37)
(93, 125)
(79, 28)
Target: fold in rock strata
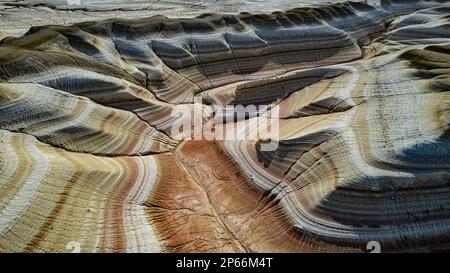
(87, 153)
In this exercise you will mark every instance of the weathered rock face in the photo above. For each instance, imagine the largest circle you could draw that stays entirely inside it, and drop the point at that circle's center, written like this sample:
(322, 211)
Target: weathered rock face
(87, 153)
(16, 17)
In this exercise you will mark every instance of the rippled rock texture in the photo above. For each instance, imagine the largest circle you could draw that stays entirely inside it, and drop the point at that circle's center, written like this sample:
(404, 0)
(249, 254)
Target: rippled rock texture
(87, 153)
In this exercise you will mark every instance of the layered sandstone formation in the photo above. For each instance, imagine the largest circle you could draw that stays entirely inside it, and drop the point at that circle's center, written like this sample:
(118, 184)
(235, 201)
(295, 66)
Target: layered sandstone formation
(88, 154)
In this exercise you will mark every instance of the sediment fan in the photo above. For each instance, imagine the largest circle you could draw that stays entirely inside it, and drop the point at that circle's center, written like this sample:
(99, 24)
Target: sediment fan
(87, 155)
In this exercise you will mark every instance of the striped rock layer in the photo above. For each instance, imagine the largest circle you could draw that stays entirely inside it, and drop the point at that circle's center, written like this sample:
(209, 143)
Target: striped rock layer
(88, 160)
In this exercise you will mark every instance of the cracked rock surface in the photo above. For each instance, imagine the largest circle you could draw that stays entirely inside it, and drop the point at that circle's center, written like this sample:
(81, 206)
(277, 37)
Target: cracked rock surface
(88, 153)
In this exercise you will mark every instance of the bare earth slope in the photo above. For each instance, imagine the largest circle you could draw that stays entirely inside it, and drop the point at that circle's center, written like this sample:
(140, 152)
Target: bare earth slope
(87, 153)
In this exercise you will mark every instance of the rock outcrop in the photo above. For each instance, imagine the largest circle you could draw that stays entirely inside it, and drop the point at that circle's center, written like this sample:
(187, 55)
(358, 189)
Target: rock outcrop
(88, 154)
